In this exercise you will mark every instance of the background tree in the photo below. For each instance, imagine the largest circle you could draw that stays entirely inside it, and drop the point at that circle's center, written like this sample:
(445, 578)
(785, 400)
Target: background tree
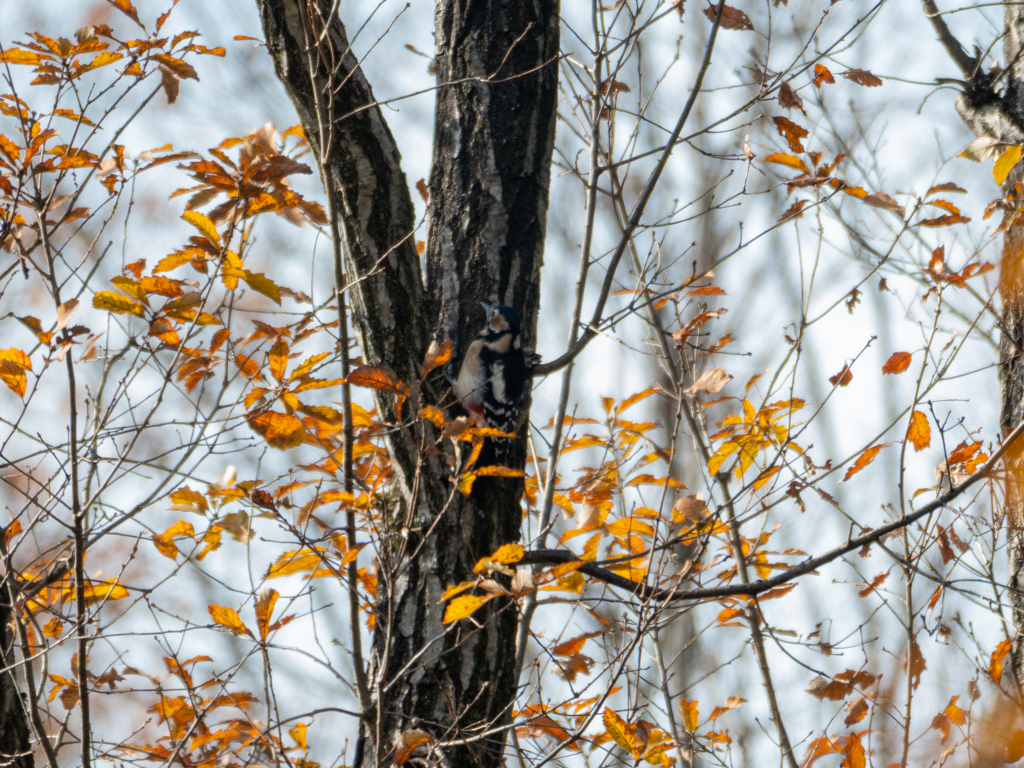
(178, 543)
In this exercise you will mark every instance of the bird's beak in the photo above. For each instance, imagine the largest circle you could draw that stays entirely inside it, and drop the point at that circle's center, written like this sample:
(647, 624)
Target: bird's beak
(487, 307)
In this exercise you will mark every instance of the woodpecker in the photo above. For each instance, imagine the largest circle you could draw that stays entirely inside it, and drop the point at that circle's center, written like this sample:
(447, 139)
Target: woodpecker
(493, 381)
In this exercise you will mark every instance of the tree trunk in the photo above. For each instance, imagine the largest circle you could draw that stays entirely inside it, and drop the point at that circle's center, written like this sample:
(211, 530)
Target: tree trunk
(1011, 368)
(15, 749)
(1001, 117)
(494, 137)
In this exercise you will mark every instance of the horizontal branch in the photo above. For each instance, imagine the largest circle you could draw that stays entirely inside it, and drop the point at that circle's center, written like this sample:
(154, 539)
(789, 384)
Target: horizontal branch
(559, 556)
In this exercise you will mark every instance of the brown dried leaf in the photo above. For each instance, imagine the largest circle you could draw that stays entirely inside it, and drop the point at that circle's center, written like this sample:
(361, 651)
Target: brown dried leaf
(711, 381)
(843, 378)
(862, 77)
(791, 132)
(795, 211)
(732, 18)
(882, 200)
(788, 98)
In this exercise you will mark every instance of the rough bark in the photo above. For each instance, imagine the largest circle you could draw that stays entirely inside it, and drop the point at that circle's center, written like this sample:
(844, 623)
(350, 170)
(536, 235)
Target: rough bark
(1001, 116)
(1011, 369)
(489, 184)
(15, 749)
(493, 136)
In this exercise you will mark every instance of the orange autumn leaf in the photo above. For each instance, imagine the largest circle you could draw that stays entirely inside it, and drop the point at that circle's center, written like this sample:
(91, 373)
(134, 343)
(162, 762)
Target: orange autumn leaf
(280, 430)
(407, 743)
(53, 628)
(437, 355)
(781, 158)
(381, 379)
(863, 460)
(898, 363)
(995, 664)
(434, 415)
(822, 75)
(228, 617)
(919, 432)
(264, 609)
(853, 753)
(791, 132)
(875, 584)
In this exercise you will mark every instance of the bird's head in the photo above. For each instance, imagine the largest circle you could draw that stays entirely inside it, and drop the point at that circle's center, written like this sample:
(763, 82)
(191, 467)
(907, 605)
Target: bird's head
(503, 326)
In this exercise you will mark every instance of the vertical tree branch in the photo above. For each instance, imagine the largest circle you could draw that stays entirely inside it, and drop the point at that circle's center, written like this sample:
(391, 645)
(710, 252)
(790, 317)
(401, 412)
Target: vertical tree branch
(323, 95)
(79, 522)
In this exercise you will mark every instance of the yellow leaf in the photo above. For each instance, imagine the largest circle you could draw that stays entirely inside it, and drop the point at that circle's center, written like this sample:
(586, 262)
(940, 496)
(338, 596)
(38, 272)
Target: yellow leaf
(495, 471)
(955, 714)
(690, 714)
(262, 284)
(53, 628)
(619, 730)
(186, 500)
(299, 734)
(279, 359)
(1004, 164)
(764, 477)
(165, 541)
(853, 752)
(456, 589)
(463, 607)
(227, 617)
(634, 399)
(104, 590)
(298, 561)
(115, 302)
(203, 223)
(19, 56)
(630, 526)
(433, 415)
(506, 554)
(13, 364)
